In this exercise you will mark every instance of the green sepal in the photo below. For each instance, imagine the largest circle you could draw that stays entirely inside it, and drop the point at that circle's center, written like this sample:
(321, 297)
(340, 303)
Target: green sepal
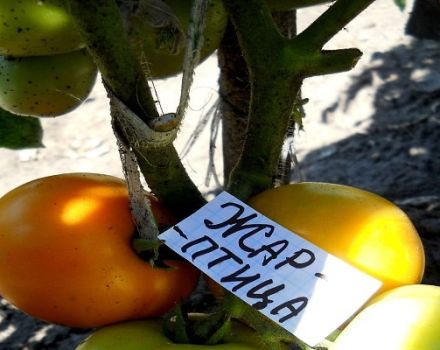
(175, 325)
(220, 334)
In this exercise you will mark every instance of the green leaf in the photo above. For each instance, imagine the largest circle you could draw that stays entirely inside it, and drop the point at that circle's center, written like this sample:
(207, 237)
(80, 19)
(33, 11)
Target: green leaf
(17, 132)
(400, 4)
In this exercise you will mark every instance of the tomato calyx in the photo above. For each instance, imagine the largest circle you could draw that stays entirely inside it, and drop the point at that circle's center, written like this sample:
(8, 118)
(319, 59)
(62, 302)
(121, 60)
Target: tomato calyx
(155, 252)
(201, 329)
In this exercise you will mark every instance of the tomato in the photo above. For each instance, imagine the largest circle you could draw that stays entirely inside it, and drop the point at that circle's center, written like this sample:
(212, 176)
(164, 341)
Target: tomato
(147, 335)
(161, 63)
(357, 226)
(66, 254)
(36, 27)
(46, 85)
(405, 318)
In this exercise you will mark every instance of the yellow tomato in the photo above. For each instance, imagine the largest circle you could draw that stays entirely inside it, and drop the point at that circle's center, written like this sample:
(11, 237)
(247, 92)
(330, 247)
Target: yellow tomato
(66, 255)
(405, 318)
(357, 226)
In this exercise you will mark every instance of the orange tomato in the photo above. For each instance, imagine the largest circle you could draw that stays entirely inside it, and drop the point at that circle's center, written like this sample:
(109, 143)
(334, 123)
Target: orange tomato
(66, 254)
(357, 226)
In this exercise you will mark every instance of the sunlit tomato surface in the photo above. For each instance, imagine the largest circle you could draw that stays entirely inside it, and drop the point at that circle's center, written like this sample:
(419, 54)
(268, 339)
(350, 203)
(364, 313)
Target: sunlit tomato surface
(357, 226)
(148, 335)
(36, 27)
(156, 46)
(405, 318)
(66, 254)
(46, 86)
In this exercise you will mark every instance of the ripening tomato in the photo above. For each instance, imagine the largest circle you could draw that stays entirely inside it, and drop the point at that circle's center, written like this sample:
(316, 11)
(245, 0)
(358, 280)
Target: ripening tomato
(357, 226)
(405, 318)
(155, 47)
(46, 86)
(148, 335)
(36, 28)
(66, 255)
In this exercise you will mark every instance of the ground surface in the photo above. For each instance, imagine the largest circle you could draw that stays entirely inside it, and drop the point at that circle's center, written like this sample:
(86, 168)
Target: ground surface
(377, 127)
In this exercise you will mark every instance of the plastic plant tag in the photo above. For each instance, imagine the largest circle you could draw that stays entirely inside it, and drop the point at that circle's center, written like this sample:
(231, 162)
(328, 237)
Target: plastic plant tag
(298, 285)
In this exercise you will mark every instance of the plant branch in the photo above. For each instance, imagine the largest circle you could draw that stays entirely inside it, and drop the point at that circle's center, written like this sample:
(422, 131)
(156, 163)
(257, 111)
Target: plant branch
(165, 175)
(273, 93)
(101, 25)
(277, 67)
(332, 61)
(253, 17)
(330, 22)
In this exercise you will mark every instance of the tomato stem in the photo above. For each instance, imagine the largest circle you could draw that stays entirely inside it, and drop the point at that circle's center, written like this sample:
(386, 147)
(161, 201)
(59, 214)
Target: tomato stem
(276, 79)
(277, 67)
(101, 25)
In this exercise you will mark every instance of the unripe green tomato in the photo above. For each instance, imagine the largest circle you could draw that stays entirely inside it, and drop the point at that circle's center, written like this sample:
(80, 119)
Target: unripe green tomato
(148, 335)
(404, 318)
(155, 49)
(46, 86)
(36, 28)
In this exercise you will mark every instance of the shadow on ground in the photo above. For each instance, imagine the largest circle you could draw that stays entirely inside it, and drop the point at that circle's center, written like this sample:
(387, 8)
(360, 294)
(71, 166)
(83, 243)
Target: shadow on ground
(20, 331)
(399, 154)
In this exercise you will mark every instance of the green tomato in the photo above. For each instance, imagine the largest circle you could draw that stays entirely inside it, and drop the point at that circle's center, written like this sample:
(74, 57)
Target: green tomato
(46, 85)
(36, 28)
(148, 335)
(155, 46)
(404, 318)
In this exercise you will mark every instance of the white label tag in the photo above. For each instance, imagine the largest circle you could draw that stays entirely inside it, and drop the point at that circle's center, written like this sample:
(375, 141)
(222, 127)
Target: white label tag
(304, 289)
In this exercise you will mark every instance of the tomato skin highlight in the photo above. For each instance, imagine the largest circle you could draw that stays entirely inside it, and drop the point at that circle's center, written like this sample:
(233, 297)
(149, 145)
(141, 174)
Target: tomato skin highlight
(405, 318)
(66, 254)
(357, 226)
(37, 28)
(147, 335)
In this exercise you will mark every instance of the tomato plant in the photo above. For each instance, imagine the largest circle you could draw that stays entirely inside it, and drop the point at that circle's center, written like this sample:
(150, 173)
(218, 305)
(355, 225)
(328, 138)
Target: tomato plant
(35, 28)
(46, 85)
(357, 226)
(161, 62)
(66, 254)
(148, 335)
(405, 318)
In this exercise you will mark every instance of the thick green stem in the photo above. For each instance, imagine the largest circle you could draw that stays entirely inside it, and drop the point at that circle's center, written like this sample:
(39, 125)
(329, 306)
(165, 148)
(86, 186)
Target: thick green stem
(331, 22)
(267, 127)
(101, 24)
(277, 67)
(273, 92)
(252, 19)
(165, 174)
